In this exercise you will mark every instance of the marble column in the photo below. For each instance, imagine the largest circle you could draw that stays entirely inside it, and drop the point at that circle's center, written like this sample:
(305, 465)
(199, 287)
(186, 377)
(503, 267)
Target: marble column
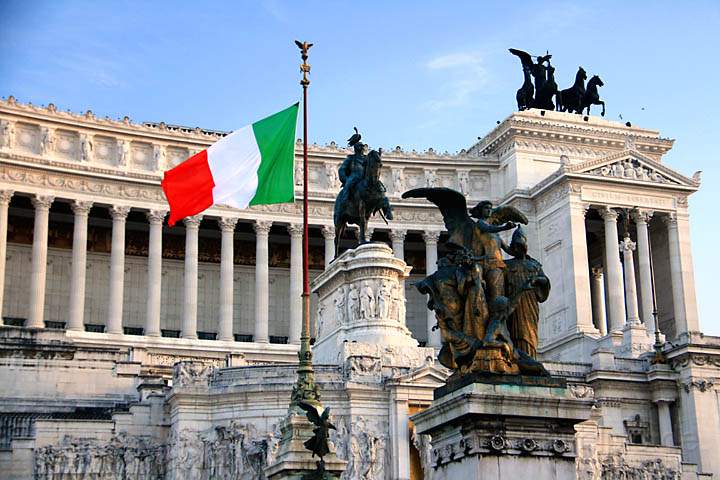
(296, 286)
(681, 277)
(227, 266)
(665, 424)
(5, 196)
(598, 300)
(189, 321)
(627, 247)
(642, 217)
(615, 295)
(152, 318)
(119, 214)
(576, 273)
(81, 210)
(328, 233)
(431, 239)
(39, 261)
(399, 436)
(397, 237)
(262, 287)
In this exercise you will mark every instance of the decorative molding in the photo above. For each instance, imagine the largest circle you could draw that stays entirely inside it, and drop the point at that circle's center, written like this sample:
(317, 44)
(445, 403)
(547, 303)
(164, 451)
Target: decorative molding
(702, 384)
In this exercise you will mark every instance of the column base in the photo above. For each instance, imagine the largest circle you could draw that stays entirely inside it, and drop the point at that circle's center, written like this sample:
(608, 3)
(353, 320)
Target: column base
(504, 426)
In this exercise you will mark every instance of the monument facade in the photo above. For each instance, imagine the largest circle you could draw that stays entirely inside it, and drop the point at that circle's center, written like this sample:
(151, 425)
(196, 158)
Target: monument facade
(134, 350)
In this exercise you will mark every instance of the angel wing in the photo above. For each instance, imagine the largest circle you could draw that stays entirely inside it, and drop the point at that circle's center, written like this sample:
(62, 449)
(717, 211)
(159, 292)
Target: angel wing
(525, 57)
(312, 413)
(451, 203)
(506, 213)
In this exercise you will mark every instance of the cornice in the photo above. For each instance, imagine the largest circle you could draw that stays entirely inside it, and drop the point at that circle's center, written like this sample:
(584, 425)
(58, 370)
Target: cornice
(571, 128)
(202, 138)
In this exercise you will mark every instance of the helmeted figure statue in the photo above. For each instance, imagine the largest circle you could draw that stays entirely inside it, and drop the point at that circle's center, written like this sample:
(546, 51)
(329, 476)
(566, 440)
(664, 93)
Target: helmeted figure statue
(522, 271)
(362, 193)
(484, 303)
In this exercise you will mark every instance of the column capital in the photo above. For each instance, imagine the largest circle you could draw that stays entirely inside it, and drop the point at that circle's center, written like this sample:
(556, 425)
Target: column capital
(608, 214)
(328, 231)
(156, 217)
(227, 224)
(670, 220)
(5, 196)
(597, 272)
(262, 227)
(627, 245)
(119, 212)
(431, 236)
(398, 235)
(580, 207)
(81, 207)
(192, 222)
(42, 202)
(641, 216)
(295, 230)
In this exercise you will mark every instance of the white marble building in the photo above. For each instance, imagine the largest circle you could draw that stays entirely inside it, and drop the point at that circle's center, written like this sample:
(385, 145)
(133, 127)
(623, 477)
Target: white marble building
(99, 300)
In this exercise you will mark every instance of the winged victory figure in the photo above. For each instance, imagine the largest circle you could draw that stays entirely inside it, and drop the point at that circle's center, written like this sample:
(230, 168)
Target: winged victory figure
(469, 284)
(318, 443)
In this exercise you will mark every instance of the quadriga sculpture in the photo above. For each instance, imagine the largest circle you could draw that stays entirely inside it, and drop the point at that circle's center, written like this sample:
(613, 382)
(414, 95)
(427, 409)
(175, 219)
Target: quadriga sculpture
(486, 306)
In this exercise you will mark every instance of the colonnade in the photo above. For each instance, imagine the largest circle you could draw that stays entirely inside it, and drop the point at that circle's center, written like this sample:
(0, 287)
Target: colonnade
(114, 319)
(616, 285)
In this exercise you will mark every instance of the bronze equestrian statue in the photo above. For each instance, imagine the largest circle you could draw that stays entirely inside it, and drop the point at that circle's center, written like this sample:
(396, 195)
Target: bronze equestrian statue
(362, 194)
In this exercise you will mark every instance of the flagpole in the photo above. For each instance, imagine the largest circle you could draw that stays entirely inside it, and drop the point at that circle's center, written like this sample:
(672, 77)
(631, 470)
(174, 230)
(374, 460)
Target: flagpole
(305, 388)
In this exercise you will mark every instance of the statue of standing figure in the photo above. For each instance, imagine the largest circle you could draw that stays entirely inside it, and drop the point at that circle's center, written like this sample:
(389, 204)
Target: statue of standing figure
(486, 306)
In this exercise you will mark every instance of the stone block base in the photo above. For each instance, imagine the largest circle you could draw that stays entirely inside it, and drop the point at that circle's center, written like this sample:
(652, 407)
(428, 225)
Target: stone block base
(294, 461)
(492, 429)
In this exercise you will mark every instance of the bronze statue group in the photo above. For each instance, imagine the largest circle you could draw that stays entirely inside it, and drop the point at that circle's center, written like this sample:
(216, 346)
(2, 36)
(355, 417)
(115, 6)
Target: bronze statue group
(539, 87)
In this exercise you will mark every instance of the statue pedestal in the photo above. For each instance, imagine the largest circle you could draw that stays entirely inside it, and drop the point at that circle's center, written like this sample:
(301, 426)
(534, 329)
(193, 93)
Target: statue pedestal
(503, 427)
(293, 460)
(361, 307)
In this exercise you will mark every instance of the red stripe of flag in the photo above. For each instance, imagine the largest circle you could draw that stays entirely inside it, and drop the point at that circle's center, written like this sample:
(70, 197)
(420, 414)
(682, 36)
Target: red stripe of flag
(188, 187)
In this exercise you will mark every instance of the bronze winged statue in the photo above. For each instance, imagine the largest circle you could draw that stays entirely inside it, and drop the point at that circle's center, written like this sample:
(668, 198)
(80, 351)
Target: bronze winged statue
(545, 87)
(318, 443)
(470, 293)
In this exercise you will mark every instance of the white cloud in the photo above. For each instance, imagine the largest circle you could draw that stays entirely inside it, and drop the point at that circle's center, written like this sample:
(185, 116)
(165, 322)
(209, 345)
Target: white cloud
(461, 74)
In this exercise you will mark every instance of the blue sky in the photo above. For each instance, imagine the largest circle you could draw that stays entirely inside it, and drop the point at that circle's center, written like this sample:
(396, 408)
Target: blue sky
(417, 74)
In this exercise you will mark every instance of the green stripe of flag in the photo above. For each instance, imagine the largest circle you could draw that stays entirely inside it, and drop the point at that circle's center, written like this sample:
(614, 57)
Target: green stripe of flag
(275, 137)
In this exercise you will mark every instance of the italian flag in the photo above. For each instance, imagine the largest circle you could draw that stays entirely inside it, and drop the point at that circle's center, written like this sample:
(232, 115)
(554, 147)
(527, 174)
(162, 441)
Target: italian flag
(251, 166)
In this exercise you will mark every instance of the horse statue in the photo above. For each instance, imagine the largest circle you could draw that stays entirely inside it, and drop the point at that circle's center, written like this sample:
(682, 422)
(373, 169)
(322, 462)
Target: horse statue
(361, 199)
(543, 99)
(524, 94)
(592, 97)
(570, 99)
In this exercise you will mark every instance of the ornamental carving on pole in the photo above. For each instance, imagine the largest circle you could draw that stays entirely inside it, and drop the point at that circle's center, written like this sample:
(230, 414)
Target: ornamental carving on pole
(486, 306)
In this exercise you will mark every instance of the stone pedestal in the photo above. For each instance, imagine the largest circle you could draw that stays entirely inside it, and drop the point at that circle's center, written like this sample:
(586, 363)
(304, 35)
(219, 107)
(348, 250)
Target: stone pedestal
(361, 303)
(503, 427)
(293, 460)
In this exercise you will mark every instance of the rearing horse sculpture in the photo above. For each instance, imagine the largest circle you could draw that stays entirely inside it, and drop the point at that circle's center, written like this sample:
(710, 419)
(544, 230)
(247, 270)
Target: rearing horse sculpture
(592, 97)
(570, 99)
(366, 198)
